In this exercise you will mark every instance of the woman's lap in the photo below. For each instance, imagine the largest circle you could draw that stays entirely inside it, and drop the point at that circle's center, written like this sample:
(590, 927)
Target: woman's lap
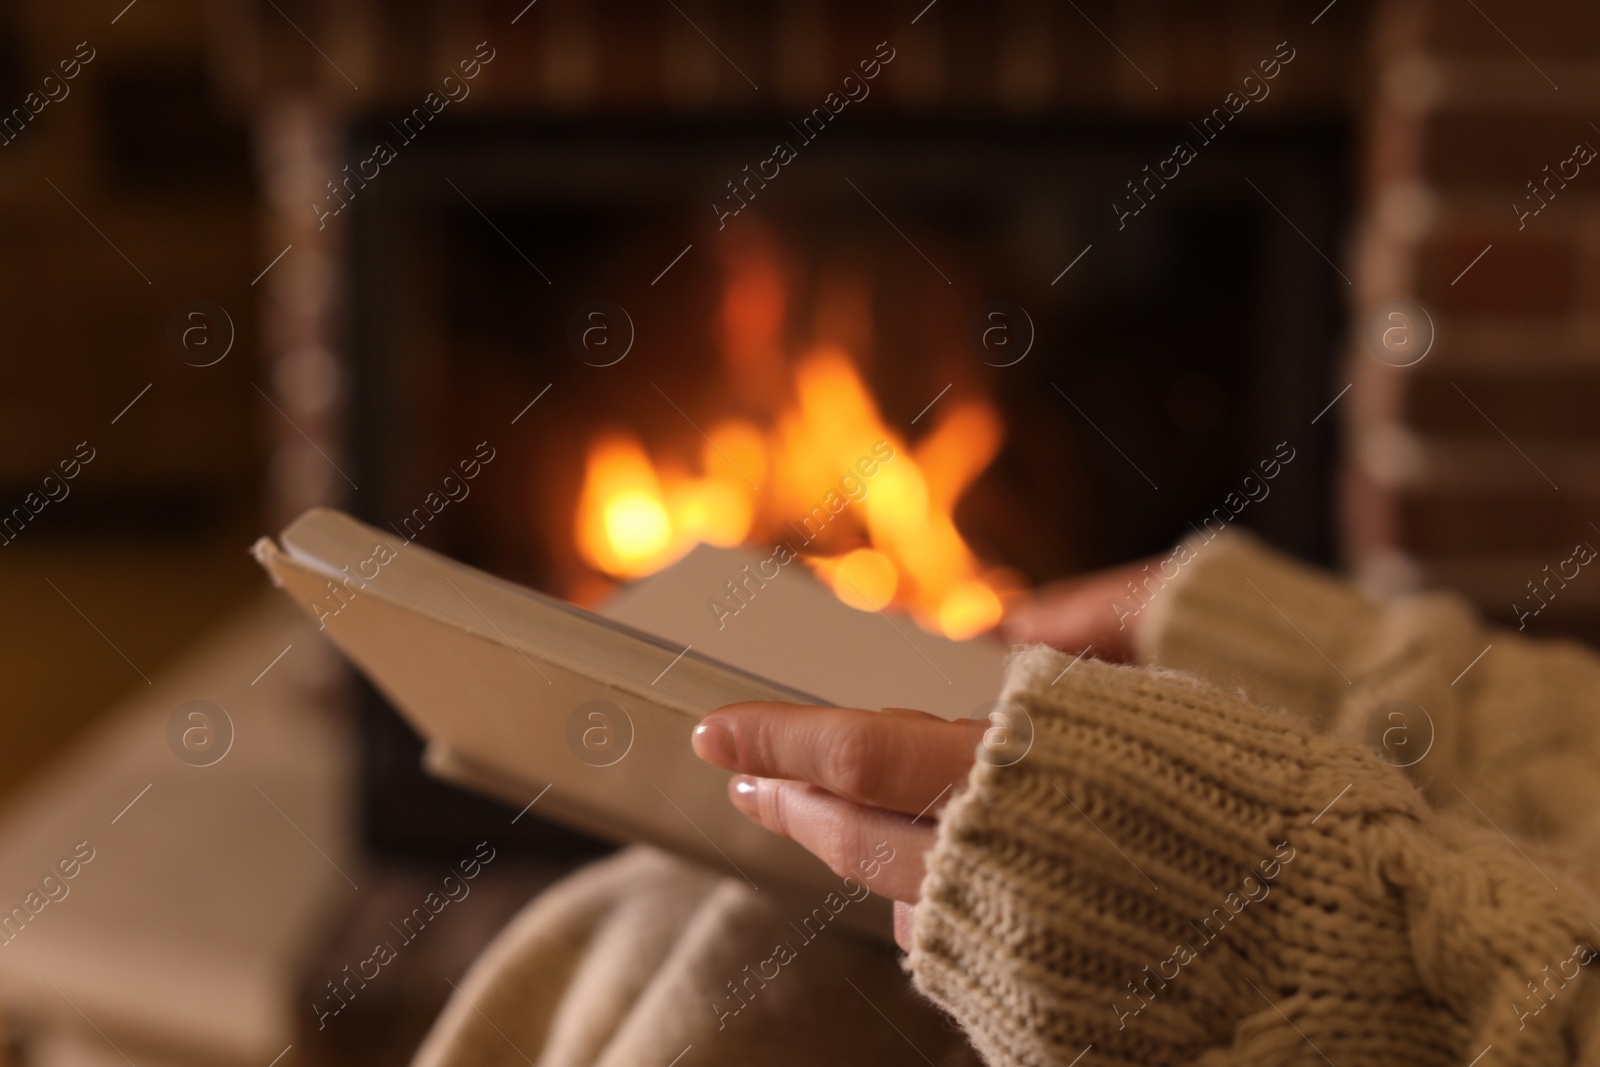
(643, 958)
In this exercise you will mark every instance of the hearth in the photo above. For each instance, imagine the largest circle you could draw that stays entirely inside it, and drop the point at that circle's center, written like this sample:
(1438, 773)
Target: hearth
(566, 294)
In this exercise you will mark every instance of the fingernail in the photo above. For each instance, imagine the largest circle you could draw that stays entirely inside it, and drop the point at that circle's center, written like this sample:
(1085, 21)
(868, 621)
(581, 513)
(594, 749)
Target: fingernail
(713, 742)
(742, 791)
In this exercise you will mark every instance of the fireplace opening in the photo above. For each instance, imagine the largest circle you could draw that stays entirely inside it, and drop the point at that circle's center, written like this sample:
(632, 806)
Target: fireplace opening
(1167, 355)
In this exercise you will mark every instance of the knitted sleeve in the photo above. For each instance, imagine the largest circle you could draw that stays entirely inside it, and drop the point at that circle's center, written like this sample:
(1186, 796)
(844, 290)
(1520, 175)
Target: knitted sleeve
(1172, 875)
(1490, 723)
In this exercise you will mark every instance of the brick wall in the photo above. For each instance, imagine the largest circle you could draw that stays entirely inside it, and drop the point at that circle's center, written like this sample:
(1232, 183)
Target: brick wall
(1474, 468)
(1017, 57)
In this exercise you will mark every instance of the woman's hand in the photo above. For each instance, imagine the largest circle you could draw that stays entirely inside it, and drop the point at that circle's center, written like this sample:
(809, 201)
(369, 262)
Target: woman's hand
(1080, 614)
(843, 782)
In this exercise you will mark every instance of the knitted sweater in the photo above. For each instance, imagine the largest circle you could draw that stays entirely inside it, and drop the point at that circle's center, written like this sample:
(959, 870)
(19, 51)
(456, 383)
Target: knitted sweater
(1187, 872)
(1178, 872)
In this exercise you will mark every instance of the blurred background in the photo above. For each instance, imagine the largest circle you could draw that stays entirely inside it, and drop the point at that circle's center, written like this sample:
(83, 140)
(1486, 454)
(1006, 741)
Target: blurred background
(261, 256)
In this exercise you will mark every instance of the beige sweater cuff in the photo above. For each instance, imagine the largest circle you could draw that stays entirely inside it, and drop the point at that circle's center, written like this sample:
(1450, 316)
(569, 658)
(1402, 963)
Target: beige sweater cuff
(1245, 617)
(1170, 870)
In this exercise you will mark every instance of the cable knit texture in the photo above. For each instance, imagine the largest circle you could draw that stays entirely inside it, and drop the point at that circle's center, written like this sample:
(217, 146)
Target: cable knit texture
(1175, 875)
(1511, 725)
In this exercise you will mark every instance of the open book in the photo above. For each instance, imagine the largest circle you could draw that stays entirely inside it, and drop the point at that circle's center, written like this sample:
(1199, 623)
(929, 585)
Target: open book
(536, 700)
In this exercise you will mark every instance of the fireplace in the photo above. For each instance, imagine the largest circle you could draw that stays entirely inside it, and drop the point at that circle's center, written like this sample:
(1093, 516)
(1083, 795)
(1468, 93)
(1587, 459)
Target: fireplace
(1152, 361)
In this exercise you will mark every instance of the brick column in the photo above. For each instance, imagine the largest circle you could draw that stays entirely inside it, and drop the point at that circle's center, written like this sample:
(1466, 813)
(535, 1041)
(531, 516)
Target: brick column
(1474, 468)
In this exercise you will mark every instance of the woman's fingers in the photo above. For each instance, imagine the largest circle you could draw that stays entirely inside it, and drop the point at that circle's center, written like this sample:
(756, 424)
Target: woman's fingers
(902, 925)
(1079, 614)
(881, 849)
(856, 788)
(903, 762)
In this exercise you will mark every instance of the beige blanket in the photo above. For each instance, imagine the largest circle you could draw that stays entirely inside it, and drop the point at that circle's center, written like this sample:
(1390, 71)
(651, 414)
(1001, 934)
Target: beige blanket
(634, 961)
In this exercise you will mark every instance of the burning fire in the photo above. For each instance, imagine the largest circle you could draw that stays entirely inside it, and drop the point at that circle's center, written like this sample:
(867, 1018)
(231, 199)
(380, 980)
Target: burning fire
(635, 516)
(897, 545)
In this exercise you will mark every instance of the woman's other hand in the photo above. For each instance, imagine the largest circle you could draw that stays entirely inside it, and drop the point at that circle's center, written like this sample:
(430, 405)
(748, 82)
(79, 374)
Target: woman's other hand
(1093, 612)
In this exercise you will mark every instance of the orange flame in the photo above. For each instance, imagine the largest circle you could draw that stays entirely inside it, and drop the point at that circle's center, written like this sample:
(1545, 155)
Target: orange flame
(880, 533)
(896, 537)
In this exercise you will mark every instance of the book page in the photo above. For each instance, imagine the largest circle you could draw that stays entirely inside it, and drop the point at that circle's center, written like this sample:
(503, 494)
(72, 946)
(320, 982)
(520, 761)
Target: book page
(792, 630)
